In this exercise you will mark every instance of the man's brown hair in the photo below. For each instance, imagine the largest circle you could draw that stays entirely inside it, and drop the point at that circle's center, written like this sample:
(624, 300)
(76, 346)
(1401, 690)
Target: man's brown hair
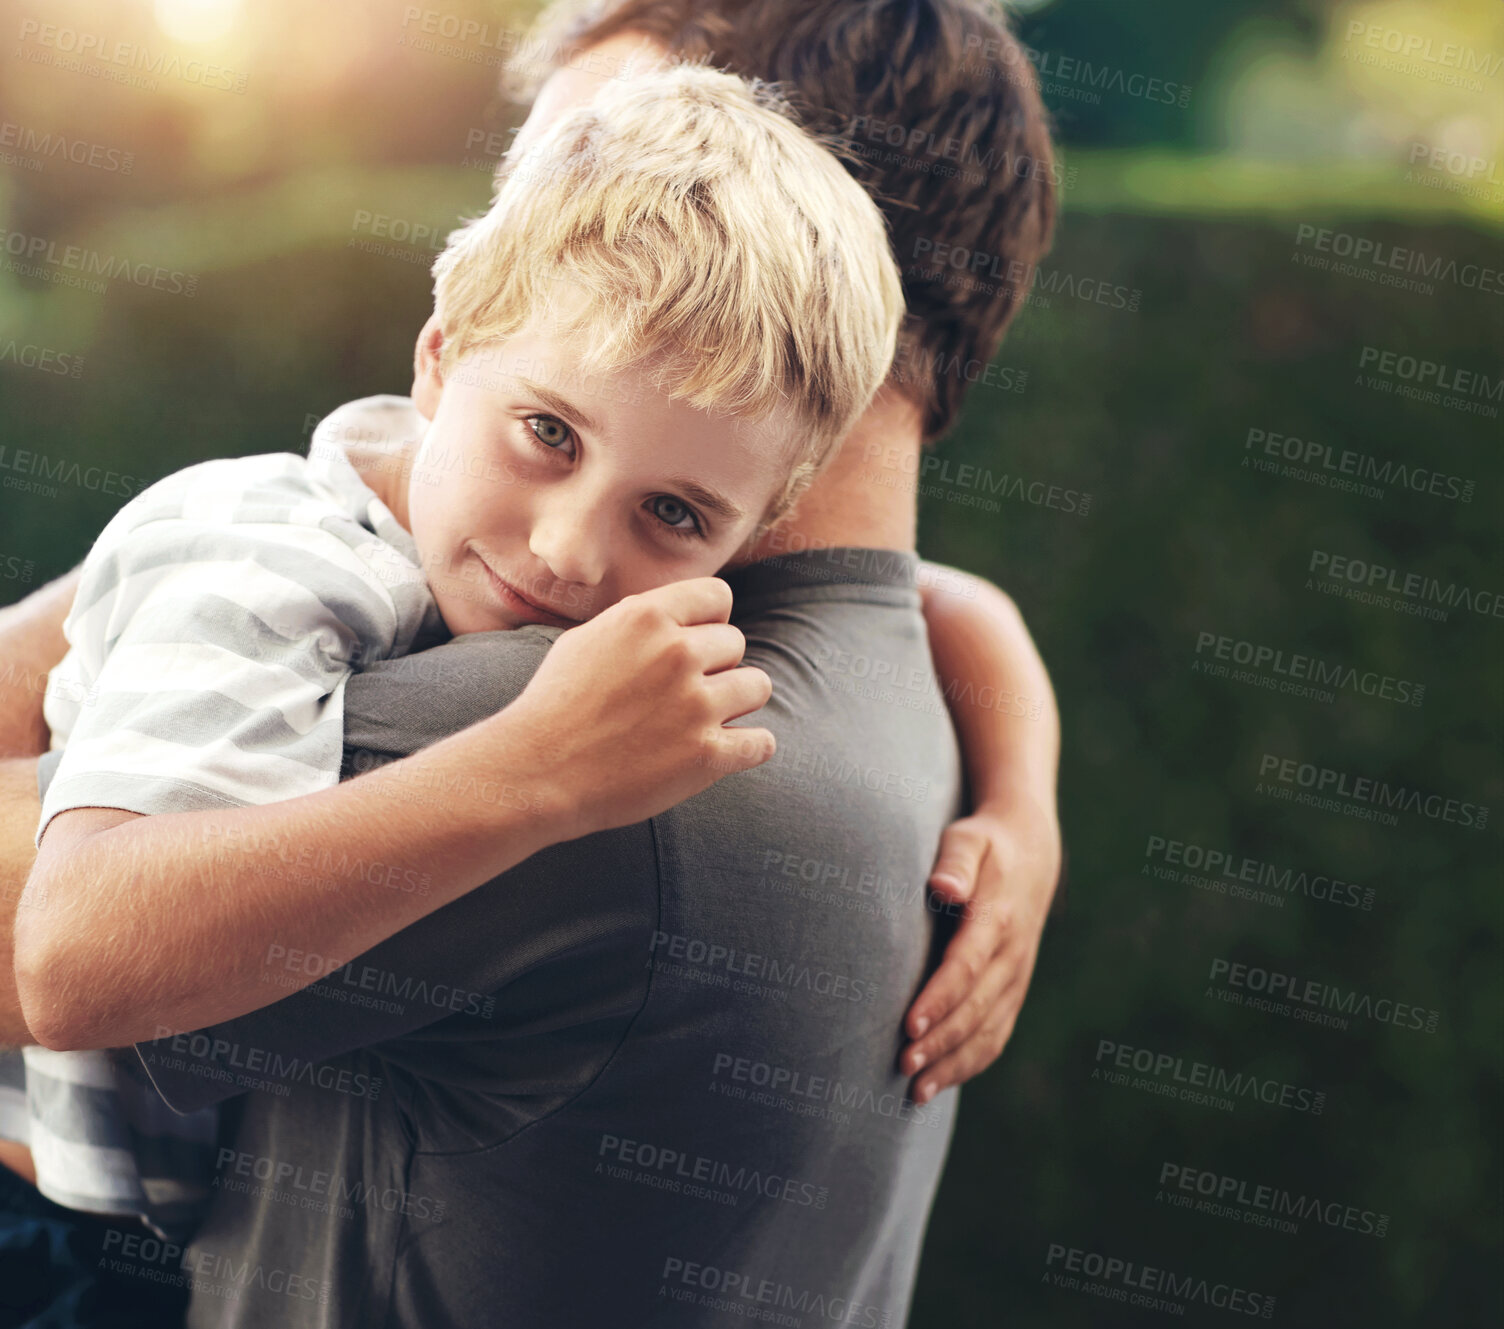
(940, 113)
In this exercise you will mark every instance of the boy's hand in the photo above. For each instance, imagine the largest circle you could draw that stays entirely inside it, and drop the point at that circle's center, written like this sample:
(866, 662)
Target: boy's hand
(1004, 867)
(628, 713)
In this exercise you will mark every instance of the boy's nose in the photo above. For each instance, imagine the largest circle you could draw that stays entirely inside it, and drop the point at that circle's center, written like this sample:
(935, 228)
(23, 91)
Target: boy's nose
(572, 541)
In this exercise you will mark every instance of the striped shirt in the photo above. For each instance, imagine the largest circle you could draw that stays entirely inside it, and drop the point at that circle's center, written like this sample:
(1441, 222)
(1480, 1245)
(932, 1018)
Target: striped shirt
(217, 620)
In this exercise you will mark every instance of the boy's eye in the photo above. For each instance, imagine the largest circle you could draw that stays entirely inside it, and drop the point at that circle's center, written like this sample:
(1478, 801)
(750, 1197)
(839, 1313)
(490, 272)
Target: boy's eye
(551, 433)
(671, 512)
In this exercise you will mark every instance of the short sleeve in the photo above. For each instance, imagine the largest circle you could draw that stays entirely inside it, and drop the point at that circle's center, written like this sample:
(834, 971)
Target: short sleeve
(208, 660)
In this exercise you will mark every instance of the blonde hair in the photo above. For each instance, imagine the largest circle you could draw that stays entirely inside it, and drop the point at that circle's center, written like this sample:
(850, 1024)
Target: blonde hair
(709, 233)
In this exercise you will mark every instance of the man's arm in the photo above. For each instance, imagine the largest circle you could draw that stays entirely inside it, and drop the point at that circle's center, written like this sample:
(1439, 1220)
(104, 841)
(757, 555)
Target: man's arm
(19, 810)
(134, 924)
(1003, 860)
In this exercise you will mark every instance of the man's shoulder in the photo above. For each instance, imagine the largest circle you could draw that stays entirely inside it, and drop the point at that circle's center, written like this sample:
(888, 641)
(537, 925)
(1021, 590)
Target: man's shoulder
(867, 761)
(395, 706)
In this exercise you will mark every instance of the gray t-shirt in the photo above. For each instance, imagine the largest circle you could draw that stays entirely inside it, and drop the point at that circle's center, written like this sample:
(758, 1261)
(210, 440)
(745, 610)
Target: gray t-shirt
(645, 1078)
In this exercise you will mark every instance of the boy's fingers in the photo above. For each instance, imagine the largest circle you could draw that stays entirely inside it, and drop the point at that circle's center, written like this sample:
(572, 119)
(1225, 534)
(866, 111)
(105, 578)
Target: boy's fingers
(698, 600)
(962, 849)
(741, 749)
(717, 646)
(738, 692)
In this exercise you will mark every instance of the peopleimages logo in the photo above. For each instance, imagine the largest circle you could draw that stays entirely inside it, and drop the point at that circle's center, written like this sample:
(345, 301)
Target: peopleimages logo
(41, 358)
(1281, 987)
(1319, 458)
(218, 1058)
(1441, 158)
(1411, 592)
(38, 256)
(39, 146)
(1071, 76)
(207, 1273)
(813, 768)
(128, 63)
(315, 1189)
(679, 1172)
(1263, 1206)
(1179, 860)
(19, 465)
(1416, 46)
(1438, 374)
(1198, 1082)
(807, 1095)
(1369, 253)
(1145, 1285)
(792, 975)
(753, 1297)
(1369, 790)
(1290, 671)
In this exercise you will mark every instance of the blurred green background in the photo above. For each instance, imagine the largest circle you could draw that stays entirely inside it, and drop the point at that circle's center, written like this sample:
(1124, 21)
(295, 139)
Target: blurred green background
(255, 177)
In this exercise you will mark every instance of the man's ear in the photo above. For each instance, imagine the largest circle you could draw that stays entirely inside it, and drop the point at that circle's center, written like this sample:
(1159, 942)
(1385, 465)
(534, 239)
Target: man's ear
(428, 382)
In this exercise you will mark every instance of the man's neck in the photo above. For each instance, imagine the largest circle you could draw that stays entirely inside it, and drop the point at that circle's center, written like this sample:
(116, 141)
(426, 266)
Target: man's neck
(866, 497)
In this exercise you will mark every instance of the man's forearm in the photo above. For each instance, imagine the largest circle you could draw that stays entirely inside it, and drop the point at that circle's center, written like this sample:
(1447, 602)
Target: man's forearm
(998, 690)
(132, 925)
(31, 644)
(19, 809)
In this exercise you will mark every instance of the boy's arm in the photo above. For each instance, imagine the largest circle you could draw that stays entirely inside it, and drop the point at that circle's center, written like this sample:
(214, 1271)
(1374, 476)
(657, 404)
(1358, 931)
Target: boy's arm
(31, 643)
(1004, 859)
(132, 925)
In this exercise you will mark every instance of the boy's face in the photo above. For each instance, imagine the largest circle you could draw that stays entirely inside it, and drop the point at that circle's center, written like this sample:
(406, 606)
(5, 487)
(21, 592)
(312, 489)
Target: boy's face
(540, 496)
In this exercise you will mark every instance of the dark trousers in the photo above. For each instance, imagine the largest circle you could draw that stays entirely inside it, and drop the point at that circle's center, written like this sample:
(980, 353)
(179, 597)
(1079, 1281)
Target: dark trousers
(55, 1269)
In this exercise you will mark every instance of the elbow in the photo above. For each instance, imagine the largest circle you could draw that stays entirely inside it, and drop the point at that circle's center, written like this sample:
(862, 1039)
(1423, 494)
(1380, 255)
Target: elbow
(54, 1022)
(54, 1003)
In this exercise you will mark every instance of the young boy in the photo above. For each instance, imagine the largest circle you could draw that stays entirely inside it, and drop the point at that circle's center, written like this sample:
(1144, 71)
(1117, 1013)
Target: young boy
(673, 312)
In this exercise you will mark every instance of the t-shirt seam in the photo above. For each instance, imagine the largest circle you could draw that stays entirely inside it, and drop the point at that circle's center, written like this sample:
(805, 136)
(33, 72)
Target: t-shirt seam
(400, 1244)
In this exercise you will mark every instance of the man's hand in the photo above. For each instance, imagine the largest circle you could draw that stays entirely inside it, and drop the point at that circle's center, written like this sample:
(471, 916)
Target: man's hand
(1003, 866)
(1003, 862)
(628, 714)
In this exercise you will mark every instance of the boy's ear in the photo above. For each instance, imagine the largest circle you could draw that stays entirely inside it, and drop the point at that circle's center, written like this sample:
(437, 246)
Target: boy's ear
(428, 382)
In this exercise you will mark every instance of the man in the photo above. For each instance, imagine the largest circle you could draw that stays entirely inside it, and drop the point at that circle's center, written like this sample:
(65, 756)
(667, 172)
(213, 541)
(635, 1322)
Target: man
(669, 1088)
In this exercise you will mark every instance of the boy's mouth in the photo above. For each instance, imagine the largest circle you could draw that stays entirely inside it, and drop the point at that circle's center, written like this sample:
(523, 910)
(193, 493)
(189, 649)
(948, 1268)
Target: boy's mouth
(523, 606)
